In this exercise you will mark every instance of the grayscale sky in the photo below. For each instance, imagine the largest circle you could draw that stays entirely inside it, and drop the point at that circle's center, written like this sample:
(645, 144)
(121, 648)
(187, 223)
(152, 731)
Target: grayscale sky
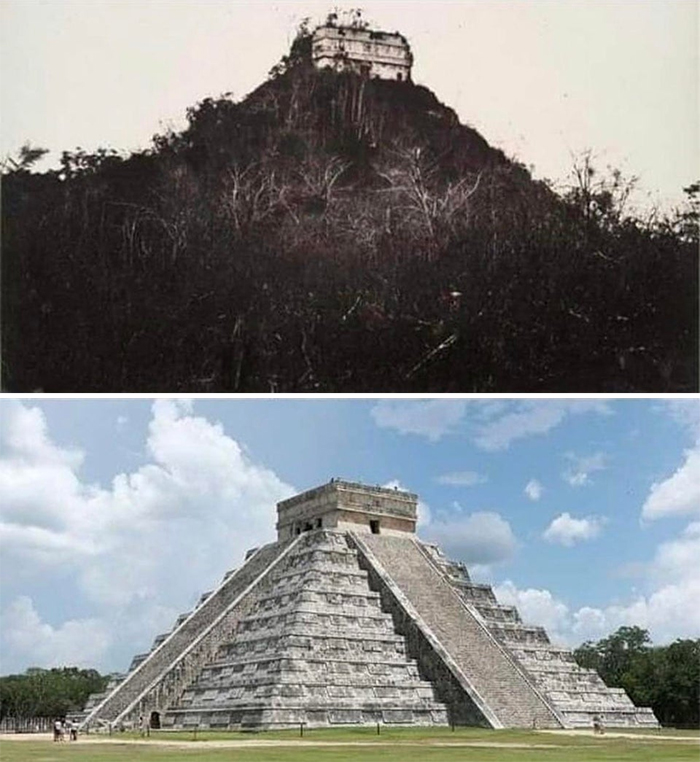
(541, 79)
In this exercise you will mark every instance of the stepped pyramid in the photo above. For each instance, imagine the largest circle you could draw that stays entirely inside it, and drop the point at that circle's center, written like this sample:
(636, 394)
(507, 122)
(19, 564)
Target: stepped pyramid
(350, 619)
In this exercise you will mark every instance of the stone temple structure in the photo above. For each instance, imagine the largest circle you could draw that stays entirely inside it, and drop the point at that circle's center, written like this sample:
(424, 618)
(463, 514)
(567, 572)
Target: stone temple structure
(385, 55)
(350, 619)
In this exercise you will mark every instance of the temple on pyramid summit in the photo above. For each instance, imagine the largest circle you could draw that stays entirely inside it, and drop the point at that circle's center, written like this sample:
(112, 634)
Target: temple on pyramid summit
(349, 619)
(370, 53)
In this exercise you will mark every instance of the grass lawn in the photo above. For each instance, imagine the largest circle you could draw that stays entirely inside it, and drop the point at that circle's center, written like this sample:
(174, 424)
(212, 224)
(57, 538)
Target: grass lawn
(359, 745)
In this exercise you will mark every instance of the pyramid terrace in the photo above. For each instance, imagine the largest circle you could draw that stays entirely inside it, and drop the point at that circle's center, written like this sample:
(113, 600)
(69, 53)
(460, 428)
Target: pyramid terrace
(349, 619)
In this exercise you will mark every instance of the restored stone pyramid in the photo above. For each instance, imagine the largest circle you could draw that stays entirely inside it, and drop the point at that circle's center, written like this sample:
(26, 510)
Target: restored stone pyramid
(350, 619)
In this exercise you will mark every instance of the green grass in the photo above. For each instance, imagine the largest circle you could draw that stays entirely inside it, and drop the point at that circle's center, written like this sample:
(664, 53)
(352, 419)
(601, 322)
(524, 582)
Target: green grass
(411, 745)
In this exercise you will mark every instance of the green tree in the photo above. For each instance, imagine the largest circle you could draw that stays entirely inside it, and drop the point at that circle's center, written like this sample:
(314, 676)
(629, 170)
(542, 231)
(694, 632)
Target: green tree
(666, 678)
(48, 692)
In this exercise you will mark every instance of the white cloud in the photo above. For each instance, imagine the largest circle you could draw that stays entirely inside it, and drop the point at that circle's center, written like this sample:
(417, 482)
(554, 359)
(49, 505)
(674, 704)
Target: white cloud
(494, 425)
(686, 412)
(526, 419)
(668, 610)
(679, 495)
(533, 489)
(482, 538)
(567, 530)
(677, 559)
(24, 439)
(77, 642)
(432, 419)
(537, 607)
(462, 479)
(200, 501)
(582, 466)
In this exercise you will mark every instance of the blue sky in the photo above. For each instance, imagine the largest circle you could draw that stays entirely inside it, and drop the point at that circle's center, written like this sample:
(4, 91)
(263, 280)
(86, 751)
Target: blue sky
(542, 80)
(117, 514)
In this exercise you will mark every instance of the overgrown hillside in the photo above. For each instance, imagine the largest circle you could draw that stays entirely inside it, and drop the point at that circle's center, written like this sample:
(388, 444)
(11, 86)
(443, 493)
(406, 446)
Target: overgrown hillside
(330, 233)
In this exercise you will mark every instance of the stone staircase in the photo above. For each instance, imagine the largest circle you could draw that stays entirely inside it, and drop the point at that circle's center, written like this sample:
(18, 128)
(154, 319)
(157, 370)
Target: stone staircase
(315, 648)
(156, 679)
(488, 675)
(577, 694)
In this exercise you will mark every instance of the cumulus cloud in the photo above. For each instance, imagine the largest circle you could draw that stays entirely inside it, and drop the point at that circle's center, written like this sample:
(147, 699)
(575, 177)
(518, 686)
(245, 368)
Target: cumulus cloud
(533, 489)
(679, 495)
(493, 425)
(462, 479)
(686, 412)
(581, 467)
(668, 613)
(537, 607)
(668, 609)
(528, 418)
(76, 642)
(567, 530)
(199, 499)
(432, 419)
(482, 538)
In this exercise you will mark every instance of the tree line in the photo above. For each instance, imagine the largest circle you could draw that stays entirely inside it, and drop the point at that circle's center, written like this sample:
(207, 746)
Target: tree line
(666, 678)
(47, 692)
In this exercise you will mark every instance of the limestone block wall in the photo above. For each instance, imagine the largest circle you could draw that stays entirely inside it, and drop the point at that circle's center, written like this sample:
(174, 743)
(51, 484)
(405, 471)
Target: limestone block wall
(497, 691)
(315, 648)
(576, 694)
(166, 659)
(378, 54)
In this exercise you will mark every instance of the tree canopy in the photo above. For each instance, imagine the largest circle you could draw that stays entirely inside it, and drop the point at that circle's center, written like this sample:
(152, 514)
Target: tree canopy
(666, 678)
(48, 692)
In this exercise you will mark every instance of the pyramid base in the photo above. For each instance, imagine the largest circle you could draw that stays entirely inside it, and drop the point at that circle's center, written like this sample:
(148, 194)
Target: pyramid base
(258, 719)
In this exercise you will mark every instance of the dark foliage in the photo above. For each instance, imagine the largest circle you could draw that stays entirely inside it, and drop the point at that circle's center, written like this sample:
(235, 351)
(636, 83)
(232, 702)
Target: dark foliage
(666, 678)
(331, 233)
(48, 692)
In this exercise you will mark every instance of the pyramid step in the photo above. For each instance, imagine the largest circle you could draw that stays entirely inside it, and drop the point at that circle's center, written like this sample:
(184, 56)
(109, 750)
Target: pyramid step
(474, 592)
(516, 633)
(262, 716)
(497, 613)
(318, 693)
(406, 679)
(495, 686)
(305, 636)
(196, 631)
(332, 595)
(321, 614)
(309, 662)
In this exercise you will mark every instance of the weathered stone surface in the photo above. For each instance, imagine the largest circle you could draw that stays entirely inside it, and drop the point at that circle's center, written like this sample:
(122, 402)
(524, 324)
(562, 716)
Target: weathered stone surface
(349, 619)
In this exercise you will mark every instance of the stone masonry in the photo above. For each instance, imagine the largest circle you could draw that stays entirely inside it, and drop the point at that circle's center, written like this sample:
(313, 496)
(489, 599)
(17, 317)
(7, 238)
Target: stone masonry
(384, 55)
(349, 619)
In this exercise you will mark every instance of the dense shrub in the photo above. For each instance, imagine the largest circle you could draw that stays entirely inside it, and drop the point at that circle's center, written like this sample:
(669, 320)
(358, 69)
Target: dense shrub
(330, 233)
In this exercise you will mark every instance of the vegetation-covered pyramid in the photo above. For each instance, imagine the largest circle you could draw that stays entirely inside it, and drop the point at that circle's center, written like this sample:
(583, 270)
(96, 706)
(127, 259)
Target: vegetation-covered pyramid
(347, 620)
(328, 233)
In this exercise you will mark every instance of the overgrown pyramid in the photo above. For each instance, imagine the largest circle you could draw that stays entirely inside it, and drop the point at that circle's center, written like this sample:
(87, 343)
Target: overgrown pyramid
(349, 619)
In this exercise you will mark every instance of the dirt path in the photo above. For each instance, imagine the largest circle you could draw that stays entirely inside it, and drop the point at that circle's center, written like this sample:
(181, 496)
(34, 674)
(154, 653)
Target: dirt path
(264, 742)
(272, 743)
(622, 734)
